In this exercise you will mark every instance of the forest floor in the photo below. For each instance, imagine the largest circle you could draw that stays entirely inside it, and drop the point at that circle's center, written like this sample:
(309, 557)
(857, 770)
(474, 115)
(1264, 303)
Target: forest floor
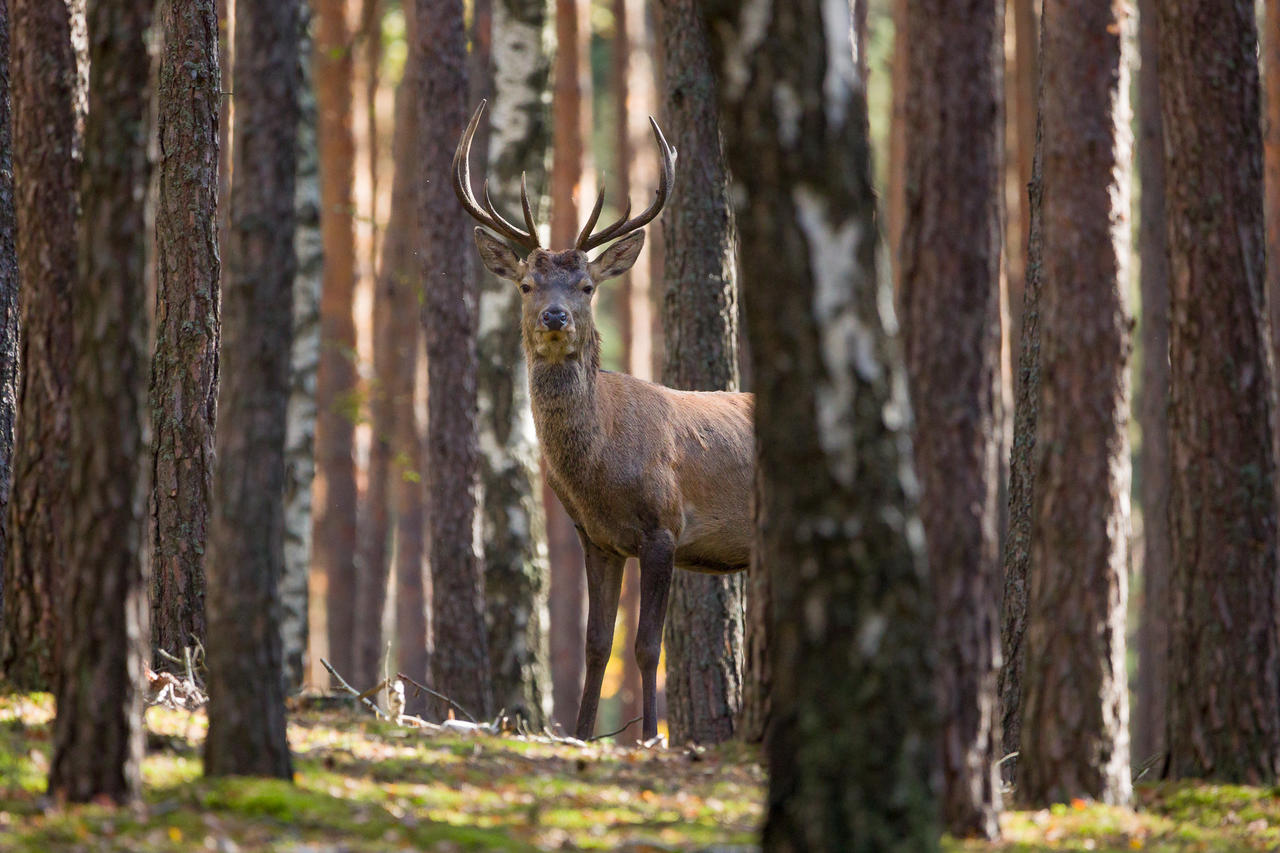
(365, 785)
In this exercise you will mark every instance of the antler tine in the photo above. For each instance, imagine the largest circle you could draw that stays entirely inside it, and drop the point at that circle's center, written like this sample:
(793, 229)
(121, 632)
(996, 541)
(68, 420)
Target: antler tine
(623, 226)
(528, 208)
(503, 225)
(462, 188)
(585, 233)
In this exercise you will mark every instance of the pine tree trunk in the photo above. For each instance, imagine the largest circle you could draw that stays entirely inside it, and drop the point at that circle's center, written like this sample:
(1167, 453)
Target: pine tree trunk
(850, 641)
(895, 204)
(1153, 406)
(1224, 661)
(184, 368)
(1026, 36)
(949, 284)
(1271, 141)
(399, 263)
(704, 630)
(98, 732)
(246, 534)
(516, 570)
(296, 604)
(374, 517)
(1026, 413)
(8, 300)
(567, 629)
(337, 405)
(48, 95)
(1075, 711)
(460, 658)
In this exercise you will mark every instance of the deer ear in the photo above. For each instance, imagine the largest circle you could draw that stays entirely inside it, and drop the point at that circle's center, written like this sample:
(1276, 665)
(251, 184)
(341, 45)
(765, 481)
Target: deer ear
(618, 258)
(498, 257)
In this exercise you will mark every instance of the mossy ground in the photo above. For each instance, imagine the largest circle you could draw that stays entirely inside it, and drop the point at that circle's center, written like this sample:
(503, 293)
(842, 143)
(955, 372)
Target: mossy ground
(363, 785)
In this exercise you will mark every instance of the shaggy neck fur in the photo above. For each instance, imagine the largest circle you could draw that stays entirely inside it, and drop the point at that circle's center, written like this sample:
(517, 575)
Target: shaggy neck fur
(563, 396)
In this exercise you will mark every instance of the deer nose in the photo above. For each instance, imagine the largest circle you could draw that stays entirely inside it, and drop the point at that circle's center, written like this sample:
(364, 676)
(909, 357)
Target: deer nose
(555, 319)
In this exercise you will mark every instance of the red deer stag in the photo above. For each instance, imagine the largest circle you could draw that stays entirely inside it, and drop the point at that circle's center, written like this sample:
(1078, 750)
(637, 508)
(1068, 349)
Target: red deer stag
(644, 471)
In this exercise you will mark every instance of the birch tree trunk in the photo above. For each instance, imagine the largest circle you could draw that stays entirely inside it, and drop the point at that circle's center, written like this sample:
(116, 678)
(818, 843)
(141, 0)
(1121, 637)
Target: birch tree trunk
(515, 551)
(850, 643)
(98, 732)
(299, 598)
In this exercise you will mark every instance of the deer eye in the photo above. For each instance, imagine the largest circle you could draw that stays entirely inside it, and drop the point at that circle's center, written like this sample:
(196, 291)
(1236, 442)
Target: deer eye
(524, 288)
(588, 289)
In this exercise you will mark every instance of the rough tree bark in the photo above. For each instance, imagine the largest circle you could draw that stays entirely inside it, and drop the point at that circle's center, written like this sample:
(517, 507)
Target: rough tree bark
(8, 299)
(1224, 660)
(1075, 714)
(1153, 405)
(1271, 142)
(949, 282)
(296, 604)
(246, 533)
(850, 743)
(567, 631)
(98, 732)
(460, 658)
(1022, 92)
(704, 631)
(48, 103)
(337, 403)
(184, 368)
(516, 569)
(1026, 413)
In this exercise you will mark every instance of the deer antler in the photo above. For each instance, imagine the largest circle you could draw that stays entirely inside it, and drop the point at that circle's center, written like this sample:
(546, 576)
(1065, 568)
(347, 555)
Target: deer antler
(488, 215)
(623, 226)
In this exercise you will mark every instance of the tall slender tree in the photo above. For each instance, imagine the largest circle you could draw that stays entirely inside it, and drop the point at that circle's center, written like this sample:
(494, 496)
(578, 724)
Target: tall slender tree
(949, 279)
(1224, 659)
(48, 96)
(337, 401)
(98, 731)
(297, 609)
(1271, 143)
(1021, 89)
(1075, 695)
(184, 366)
(8, 299)
(460, 658)
(516, 569)
(704, 630)
(246, 534)
(1153, 404)
(399, 263)
(567, 631)
(851, 765)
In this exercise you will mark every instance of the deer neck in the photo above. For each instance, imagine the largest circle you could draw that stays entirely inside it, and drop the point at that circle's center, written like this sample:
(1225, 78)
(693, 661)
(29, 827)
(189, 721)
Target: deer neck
(563, 395)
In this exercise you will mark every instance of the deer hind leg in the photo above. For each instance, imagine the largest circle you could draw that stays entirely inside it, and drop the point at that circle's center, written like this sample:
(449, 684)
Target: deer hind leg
(657, 563)
(604, 586)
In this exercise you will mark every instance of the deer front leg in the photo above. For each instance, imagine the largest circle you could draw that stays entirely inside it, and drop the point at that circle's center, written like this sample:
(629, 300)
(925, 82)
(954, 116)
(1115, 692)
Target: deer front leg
(604, 587)
(657, 563)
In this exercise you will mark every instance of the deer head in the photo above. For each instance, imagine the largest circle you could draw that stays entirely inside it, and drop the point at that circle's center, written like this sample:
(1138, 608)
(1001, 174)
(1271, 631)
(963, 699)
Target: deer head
(557, 287)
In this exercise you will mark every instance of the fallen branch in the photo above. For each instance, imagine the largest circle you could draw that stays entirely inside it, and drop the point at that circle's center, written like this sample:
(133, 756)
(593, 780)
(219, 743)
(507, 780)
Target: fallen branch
(342, 682)
(614, 734)
(443, 698)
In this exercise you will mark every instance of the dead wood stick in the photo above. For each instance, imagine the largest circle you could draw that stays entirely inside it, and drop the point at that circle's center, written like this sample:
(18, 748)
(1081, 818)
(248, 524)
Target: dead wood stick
(443, 698)
(618, 732)
(342, 682)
